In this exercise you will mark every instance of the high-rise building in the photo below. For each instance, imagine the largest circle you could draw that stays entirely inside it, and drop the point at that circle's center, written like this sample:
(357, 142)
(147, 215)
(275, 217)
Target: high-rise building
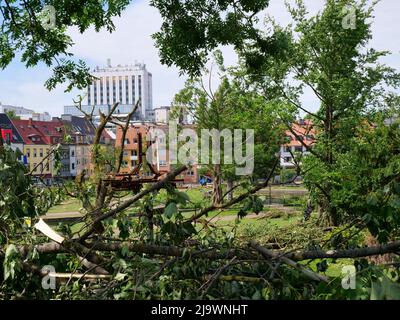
(124, 84)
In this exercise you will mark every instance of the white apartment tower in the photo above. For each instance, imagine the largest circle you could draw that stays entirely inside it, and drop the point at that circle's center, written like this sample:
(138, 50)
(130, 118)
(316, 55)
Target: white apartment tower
(124, 84)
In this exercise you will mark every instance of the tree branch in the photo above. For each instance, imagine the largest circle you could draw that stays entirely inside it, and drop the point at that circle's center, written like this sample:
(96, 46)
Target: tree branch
(126, 204)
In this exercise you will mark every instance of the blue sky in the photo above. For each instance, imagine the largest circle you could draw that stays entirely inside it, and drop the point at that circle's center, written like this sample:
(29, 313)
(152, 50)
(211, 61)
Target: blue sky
(132, 41)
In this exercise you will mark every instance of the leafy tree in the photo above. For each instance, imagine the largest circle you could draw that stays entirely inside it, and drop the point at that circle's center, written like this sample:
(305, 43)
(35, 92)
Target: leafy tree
(232, 106)
(210, 111)
(365, 182)
(136, 249)
(345, 76)
(193, 29)
(30, 31)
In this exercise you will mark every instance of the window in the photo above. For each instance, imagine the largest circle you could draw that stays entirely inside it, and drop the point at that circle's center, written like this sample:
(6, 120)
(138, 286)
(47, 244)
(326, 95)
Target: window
(133, 90)
(125, 153)
(47, 166)
(89, 97)
(120, 89)
(34, 167)
(101, 91)
(108, 89)
(298, 149)
(73, 166)
(163, 163)
(309, 137)
(127, 141)
(288, 149)
(28, 153)
(114, 90)
(34, 153)
(47, 152)
(126, 90)
(95, 92)
(72, 153)
(133, 163)
(140, 90)
(135, 140)
(41, 153)
(134, 153)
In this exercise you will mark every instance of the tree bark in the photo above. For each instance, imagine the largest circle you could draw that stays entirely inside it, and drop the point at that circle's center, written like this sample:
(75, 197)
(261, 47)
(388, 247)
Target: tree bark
(217, 187)
(230, 187)
(240, 253)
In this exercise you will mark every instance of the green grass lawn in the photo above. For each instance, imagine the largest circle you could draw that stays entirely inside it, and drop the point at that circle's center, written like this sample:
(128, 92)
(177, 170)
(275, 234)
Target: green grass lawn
(70, 205)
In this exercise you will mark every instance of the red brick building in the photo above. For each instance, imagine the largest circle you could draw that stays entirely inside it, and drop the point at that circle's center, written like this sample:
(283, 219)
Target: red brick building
(131, 156)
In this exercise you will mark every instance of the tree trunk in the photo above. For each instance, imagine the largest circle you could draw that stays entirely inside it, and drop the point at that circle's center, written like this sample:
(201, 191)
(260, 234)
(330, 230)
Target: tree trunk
(217, 188)
(327, 215)
(229, 184)
(150, 226)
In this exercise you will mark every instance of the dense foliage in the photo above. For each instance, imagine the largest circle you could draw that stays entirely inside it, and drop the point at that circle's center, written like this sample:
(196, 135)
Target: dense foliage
(36, 32)
(142, 244)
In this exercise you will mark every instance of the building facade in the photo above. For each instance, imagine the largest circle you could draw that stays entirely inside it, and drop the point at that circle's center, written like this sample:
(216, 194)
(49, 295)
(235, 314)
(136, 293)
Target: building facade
(161, 114)
(82, 133)
(40, 137)
(18, 111)
(25, 114)
(10, 135)
(123, 84)
(74, 137)
(300, 138)
(160, 155)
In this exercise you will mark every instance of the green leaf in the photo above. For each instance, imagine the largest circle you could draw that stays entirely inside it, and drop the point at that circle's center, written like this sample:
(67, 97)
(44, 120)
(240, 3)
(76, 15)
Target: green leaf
(120, 276)
(170, 210)
(182, 197)
(12, 263)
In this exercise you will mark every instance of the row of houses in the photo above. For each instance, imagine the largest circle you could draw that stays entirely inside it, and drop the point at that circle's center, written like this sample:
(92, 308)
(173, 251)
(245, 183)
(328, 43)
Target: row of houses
(36, 140)
(300, 138)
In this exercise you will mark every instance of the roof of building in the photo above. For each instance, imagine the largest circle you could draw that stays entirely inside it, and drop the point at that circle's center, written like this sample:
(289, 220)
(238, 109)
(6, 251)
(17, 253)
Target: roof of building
(40, 132)
(5, 123)
(79, 125)
(303, 129)
(108, 134)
